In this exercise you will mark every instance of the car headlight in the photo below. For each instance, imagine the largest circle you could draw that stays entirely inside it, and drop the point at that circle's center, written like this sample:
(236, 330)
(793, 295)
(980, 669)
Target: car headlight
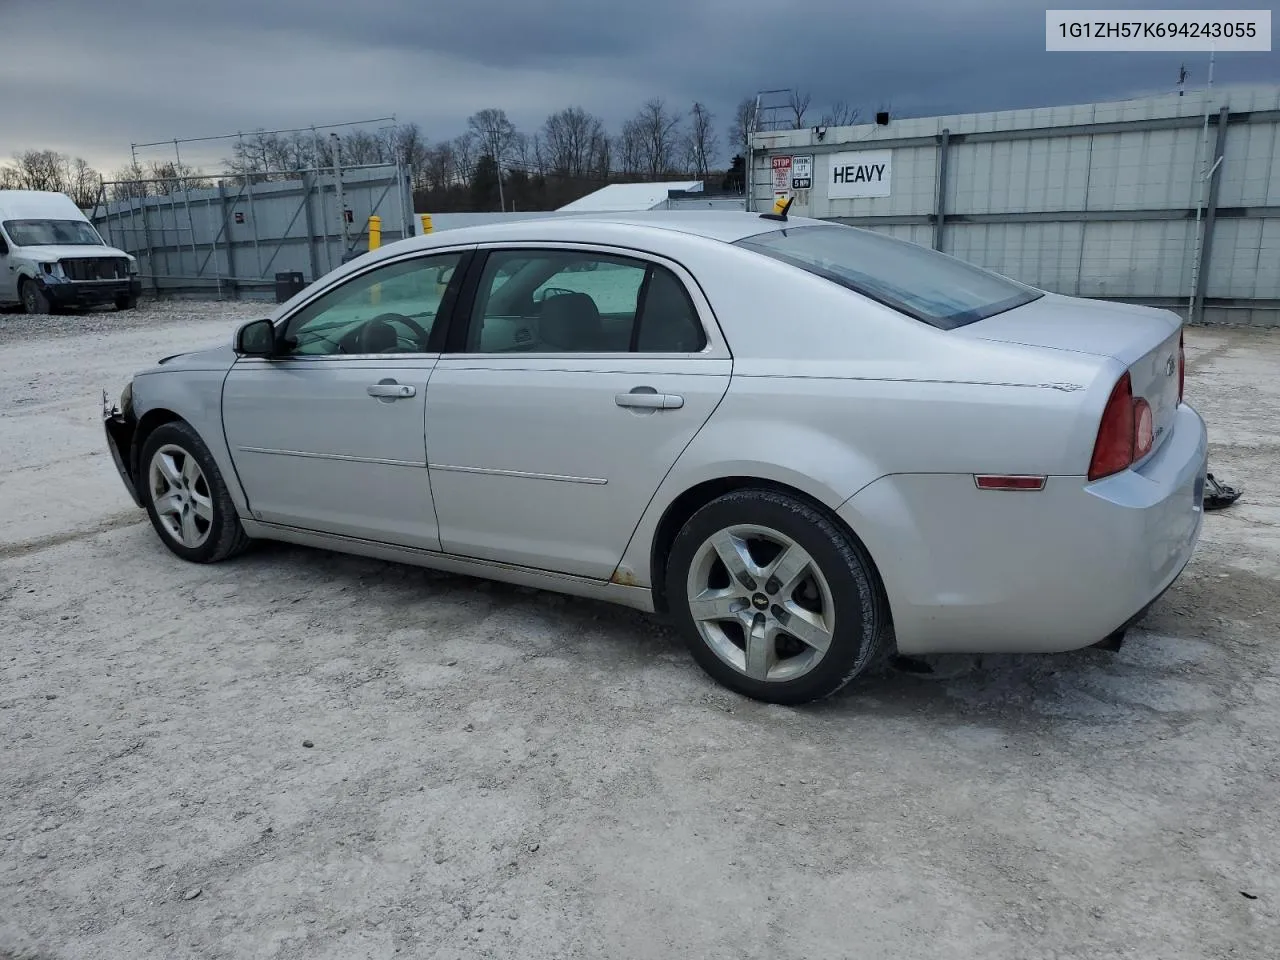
(133, 267)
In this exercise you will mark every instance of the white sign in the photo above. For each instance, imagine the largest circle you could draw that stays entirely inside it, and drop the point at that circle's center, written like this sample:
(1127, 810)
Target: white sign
(801, 173)
(865, 173)
(781, 175)
(1130, 31)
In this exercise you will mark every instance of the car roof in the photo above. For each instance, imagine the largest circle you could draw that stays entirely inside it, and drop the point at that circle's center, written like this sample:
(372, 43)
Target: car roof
(603, 227)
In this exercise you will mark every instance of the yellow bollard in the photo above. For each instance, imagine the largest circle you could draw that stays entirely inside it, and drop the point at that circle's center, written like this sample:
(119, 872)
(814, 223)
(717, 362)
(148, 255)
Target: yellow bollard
(375, 241)
(426, 223)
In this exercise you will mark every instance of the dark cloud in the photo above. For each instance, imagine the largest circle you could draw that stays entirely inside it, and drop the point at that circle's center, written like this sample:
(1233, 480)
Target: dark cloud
(91, 77)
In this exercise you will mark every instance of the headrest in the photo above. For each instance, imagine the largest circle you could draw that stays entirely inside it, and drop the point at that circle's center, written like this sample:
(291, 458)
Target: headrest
(570, 321)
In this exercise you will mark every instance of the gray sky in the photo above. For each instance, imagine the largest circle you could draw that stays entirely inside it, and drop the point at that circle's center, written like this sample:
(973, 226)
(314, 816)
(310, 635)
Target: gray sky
(89, 77)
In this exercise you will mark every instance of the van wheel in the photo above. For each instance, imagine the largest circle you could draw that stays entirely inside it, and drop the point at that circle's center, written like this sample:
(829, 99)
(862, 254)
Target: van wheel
(33, 298)
(126, 303)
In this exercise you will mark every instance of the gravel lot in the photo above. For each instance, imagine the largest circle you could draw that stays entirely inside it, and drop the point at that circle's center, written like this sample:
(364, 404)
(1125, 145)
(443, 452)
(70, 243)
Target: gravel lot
(303, 755)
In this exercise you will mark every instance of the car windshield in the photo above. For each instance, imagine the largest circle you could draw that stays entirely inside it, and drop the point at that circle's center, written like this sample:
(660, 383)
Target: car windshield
(922, 283)
(51, 233)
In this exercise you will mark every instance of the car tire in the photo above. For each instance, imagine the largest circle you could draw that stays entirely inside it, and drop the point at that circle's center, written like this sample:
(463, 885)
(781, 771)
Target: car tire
(186, 497)
(34, 300)
(126, 303)
(826, 590)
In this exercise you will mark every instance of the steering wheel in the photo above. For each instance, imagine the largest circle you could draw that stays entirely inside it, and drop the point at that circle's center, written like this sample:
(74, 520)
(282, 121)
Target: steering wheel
(354, 340)
(422, 333)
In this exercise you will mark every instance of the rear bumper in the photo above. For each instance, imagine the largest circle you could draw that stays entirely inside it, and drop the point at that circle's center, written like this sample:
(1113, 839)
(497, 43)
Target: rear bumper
(70, 293)
(972, 571)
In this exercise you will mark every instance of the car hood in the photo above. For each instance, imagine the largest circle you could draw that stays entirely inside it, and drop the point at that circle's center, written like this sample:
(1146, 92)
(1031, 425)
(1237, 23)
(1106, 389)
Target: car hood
(1101, 328)
(61, 250)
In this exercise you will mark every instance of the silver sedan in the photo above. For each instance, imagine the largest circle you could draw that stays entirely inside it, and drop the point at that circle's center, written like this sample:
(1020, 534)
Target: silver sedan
(808, 444)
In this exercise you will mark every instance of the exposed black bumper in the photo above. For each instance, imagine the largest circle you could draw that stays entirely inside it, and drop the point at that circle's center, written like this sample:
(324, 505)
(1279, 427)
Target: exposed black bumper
(120, 428)
(70, 293)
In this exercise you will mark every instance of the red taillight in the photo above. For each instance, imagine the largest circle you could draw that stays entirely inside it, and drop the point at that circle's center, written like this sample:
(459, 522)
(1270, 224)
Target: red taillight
(1113, 450)
(1182, 365)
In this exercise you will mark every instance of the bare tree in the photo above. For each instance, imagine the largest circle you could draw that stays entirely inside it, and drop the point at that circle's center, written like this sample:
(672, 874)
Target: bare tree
(10, 179)
(85, 183)
(42, 170)
(574, 140)
(798, 101)
(701, 142)
(658, 133)
(440, 168)
(127, 183)
(170, 176)
(360, 148)
(743, 126)
(524, 152)
(465, 149)
(409, 149)
(630, 149)
(495, 134)
(840, 114)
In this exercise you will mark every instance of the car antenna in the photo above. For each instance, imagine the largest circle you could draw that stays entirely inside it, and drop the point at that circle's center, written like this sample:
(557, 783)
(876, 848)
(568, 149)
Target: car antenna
(779, 210)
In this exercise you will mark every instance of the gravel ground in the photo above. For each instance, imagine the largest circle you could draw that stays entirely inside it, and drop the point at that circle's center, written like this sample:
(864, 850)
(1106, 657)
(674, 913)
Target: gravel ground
(304, 755)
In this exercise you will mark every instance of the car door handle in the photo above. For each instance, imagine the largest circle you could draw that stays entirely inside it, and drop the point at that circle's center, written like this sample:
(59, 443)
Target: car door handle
(646, 398)
(392, 390)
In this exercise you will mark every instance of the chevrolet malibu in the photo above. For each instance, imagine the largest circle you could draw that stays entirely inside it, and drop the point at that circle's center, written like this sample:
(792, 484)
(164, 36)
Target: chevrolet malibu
(808, 444)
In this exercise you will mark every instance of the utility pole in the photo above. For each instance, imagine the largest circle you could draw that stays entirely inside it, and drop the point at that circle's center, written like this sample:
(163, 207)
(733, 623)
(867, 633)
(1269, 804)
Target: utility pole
(342, 200)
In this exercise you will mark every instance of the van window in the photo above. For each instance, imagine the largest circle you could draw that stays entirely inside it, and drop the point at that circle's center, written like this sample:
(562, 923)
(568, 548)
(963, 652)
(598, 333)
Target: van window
(43, 233)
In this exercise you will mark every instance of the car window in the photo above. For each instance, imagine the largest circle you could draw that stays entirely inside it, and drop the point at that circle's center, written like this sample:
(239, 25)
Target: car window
(930, 286)
(668, 319)
(388, 310)
(559, 301)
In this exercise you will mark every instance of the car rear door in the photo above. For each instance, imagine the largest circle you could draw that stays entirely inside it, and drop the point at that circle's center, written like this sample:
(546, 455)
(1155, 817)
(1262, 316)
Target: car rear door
(565, 395)
(330, 435)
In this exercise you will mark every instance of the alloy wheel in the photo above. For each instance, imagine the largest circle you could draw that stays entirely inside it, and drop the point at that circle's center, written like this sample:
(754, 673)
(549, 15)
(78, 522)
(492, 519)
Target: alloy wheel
(181, 495)
(761, 603)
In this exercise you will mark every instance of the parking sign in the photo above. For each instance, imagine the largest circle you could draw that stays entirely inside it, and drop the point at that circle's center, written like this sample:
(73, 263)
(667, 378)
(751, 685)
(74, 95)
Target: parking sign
(801, 173)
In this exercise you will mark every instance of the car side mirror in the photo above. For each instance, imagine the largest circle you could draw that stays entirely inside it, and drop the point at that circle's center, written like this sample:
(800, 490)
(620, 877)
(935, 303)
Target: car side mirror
(257, 338)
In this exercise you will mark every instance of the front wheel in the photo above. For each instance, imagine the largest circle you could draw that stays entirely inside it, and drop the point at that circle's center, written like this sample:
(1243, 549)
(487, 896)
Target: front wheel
(186, 498)
(34, 299)
(126, 302)
(776, 601)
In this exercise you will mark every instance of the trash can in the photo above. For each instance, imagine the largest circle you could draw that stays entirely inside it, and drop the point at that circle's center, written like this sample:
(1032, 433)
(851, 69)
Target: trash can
(288, 285)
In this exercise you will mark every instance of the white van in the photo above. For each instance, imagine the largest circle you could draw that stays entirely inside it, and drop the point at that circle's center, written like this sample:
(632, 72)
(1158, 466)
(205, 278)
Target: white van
(51, 256)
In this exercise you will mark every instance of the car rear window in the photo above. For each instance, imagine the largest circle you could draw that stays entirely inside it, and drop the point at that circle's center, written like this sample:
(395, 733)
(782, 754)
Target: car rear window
(922, 283)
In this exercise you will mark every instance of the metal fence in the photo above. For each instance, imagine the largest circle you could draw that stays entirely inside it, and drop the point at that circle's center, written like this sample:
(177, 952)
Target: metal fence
(228, 237)
(1172, 201)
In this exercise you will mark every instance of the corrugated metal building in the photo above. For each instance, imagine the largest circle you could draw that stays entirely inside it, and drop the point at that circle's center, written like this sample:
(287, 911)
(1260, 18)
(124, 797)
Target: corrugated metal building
(1138, 200)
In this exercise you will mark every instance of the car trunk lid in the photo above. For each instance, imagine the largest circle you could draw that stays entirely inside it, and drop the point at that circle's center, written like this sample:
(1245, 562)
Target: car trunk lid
(1144, 339)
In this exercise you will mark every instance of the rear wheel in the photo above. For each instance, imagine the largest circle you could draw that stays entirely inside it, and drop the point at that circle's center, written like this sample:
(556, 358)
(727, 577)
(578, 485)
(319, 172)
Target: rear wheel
(126, 302)
(33, 298)
(775, 601)
(186, 498)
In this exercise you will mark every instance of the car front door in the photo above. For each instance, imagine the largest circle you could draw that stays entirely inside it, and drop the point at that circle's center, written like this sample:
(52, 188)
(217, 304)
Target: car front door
(330, 434)
(578, 378)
